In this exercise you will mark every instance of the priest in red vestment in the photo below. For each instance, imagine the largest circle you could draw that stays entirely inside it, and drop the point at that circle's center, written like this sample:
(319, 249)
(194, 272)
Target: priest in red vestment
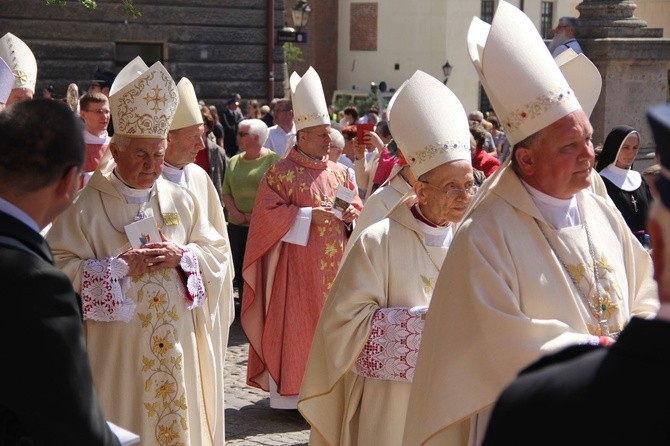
(296, 240)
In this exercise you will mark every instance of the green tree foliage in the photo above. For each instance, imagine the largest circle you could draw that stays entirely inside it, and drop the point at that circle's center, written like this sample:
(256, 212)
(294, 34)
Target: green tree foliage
(293, 54)
(91, 4)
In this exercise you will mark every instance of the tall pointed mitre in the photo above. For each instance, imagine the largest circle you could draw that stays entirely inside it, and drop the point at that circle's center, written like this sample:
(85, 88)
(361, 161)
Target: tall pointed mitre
(143, 100)
(6, 81)
(428, 123)
(582, 76)
(188, 110)
(309, 102)
(523, 82)
(18, 56)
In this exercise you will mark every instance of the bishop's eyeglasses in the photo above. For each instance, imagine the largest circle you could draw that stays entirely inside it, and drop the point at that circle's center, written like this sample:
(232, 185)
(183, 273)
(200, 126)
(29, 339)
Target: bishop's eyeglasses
(452, 192)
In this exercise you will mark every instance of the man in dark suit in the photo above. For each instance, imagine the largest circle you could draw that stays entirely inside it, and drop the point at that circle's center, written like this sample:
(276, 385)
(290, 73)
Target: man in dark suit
(230, 121)
(579, 396)
(46, 391)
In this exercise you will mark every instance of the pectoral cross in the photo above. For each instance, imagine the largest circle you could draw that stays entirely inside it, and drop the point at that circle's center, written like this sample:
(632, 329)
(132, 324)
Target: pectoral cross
(634, 201)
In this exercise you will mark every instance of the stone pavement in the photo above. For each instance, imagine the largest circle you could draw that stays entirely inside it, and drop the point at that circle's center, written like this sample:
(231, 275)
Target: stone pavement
(249, 419)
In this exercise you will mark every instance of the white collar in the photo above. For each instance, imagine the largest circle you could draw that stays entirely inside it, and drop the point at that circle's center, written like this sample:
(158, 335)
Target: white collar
(90, 138)
(439, 236)
(174, 174)
(133, 196)
(558, 212)
(626, 179)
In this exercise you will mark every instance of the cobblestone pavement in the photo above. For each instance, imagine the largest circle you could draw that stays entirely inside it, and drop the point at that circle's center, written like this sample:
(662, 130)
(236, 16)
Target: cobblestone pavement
(249, 419)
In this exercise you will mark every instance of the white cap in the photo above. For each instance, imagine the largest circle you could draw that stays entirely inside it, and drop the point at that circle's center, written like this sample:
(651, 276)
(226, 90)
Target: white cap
(6, 81)
(188, 110)
(143, 103)
(20, 59)
(428, 123)
(309, 103)
(583, 76)
(524, 84)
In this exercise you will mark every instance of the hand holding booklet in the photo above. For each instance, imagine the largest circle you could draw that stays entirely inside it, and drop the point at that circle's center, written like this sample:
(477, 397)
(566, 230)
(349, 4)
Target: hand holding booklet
(343, 198)
(142, 232)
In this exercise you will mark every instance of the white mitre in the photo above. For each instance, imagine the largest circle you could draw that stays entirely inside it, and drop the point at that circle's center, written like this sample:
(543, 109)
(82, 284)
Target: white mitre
(18, 56)
(309, 102)
(143, 101)
(188, 110)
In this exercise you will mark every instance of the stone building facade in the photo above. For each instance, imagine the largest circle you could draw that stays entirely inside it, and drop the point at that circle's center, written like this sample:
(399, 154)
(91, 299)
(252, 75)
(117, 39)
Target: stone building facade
(222, 46)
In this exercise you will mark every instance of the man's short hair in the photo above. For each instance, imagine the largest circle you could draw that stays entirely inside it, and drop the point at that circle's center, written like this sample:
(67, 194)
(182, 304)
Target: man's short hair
(352, 111)
(32, 159)
(92, 98)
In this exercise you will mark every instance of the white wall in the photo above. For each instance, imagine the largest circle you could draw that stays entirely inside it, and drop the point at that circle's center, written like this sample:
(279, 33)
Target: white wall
(423, 34)
(419, 35)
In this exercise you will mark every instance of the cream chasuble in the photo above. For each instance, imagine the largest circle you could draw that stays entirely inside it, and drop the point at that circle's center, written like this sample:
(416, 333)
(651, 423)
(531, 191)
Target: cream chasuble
(504, 298)
(387, 266)
(159, 375)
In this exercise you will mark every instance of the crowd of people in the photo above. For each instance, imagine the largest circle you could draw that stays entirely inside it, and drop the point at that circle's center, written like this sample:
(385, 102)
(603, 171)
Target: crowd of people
(413, 276)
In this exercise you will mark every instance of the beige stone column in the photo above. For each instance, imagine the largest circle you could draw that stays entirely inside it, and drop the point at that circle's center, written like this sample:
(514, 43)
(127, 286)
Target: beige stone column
(633, 61)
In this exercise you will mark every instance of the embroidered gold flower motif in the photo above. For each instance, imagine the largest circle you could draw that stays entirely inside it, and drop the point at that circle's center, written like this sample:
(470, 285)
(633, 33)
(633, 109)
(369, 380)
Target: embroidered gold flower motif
(161, 346)
(157, 300)
(290, 176)
(167, 434)
(303, 187)
(330, 249)
(166, 390)
(608, 307)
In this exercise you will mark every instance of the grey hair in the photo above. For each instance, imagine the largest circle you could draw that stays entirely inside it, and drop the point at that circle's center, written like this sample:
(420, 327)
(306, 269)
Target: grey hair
(256, 127)
(336, 138)
(120, 141)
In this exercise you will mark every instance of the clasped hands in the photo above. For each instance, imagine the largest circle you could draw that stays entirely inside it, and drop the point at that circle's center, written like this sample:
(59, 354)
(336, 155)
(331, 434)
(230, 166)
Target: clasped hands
(152, 257)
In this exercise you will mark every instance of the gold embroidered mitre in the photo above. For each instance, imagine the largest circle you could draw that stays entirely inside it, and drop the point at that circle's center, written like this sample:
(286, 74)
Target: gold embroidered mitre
(18, 56)
(143, 101)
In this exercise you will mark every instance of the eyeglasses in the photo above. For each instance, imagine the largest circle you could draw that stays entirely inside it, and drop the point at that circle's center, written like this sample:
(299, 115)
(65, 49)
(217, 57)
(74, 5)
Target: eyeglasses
(282, 109)
(242, 134)
(100, 111)
(454, 192)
